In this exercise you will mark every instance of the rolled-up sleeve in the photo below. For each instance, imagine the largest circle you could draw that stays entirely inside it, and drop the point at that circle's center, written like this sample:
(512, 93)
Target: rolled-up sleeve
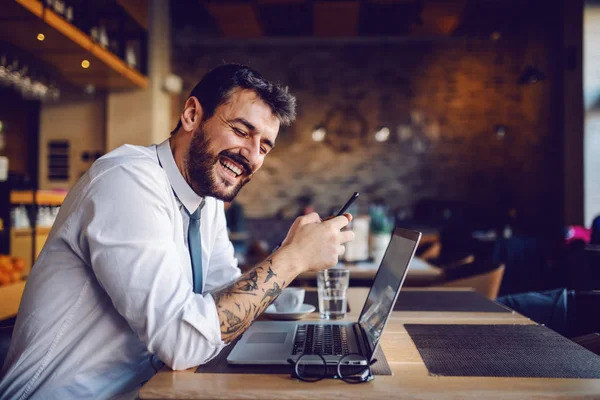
(128, 228)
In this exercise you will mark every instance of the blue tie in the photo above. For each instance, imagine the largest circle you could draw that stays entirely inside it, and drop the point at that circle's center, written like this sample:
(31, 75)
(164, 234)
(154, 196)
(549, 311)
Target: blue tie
(195, 248)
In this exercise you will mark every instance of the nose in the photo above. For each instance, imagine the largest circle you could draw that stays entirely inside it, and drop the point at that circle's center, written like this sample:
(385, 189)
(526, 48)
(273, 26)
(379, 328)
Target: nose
(251, 151)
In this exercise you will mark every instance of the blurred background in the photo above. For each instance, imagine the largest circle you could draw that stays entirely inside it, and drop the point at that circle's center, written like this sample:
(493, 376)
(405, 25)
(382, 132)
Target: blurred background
(474, 121)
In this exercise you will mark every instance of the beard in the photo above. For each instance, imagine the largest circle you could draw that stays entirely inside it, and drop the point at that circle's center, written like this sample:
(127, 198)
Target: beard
(201, 168)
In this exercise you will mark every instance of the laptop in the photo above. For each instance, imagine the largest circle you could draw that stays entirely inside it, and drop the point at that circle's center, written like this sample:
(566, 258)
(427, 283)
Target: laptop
(274, 342)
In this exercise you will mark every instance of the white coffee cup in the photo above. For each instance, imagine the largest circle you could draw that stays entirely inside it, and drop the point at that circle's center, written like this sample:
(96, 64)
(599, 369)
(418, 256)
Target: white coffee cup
(290, 300)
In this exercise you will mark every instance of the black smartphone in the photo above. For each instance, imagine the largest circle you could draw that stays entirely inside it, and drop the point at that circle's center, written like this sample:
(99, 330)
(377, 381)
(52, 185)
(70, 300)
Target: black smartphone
(348, 204)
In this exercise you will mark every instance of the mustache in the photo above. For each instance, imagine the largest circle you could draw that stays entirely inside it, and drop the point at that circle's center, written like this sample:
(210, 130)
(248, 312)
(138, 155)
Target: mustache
(241, 160)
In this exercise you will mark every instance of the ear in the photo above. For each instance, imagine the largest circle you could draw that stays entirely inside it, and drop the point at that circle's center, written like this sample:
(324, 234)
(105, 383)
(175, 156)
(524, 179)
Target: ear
(191, 115)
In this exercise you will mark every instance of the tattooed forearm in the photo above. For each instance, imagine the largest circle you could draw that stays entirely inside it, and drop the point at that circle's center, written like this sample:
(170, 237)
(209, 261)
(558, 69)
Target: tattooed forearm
(272, 293)
(248, 283)
(245, 299)
(270, 272)
(233, 323)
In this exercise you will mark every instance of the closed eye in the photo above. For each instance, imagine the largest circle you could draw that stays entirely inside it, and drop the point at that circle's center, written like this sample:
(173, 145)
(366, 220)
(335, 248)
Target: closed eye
(240, 132)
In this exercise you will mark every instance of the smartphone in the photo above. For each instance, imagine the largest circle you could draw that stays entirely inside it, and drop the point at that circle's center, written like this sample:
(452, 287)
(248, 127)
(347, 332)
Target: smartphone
(341, 212)
(348, 204)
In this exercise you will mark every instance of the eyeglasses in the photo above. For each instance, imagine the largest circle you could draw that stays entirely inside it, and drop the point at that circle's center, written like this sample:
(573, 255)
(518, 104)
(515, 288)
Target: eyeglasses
(352, 368)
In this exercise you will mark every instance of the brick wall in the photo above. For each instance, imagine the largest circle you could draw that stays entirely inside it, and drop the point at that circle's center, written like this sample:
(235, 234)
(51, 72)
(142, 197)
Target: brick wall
(442, 101)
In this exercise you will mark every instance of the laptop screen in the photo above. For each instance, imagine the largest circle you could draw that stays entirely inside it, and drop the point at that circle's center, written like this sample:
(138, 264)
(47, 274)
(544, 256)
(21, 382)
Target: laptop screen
(387, 283)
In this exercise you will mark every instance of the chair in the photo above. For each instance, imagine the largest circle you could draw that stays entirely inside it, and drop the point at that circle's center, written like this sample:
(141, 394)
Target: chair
(590, 341)
(432, 254)
(484, 278)
(454, 263)
(583, 316)
(429, 251)
(525, 258)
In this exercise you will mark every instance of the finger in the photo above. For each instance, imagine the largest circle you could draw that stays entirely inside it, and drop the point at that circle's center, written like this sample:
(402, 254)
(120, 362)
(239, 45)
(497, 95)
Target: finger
(311, 218)
(346, 236)
(347, 215)
(341, 250)
(338, 222)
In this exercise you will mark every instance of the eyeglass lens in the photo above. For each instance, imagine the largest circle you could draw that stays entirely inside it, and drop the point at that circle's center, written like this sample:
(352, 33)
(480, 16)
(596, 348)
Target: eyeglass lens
(354, 368)
(311, 367)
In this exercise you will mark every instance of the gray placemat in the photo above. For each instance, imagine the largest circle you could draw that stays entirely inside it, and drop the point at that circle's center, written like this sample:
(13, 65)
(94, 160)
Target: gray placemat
(446, 300)
(312, 298)
(528, 351)
(219, 365)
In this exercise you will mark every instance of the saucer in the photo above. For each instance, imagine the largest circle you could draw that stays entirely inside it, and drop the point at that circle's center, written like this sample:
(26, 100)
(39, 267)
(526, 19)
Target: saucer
(303, 312)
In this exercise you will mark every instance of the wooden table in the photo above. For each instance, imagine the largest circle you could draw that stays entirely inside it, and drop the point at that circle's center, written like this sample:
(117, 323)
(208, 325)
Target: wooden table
(420, 273)
(410, 378)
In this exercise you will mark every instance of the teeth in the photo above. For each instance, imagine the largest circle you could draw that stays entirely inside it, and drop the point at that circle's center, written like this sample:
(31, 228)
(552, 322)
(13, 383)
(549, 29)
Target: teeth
(231, 167)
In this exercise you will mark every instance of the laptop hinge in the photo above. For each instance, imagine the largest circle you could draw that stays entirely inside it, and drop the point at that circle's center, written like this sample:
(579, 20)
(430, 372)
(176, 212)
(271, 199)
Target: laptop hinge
(362, 340)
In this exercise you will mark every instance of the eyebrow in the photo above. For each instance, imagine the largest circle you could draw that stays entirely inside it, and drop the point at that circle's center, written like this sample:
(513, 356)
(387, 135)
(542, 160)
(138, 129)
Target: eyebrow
(252, 128)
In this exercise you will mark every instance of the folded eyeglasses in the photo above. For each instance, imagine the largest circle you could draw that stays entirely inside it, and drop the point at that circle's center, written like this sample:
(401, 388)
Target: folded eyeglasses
(352, 368)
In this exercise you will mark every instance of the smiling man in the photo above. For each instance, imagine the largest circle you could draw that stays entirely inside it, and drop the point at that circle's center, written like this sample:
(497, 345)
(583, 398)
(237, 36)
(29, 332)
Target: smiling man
(138, 269)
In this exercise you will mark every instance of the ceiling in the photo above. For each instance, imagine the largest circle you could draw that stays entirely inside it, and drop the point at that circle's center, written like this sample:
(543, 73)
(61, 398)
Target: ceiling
(257, 19)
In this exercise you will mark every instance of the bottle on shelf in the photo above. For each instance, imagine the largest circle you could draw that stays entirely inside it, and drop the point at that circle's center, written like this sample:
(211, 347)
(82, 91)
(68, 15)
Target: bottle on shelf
(19, 217)
(103, 36)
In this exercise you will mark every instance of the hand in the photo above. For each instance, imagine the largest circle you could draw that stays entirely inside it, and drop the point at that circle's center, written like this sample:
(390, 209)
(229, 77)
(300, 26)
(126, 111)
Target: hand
(317, 244)
(347, 215)
(308, 219)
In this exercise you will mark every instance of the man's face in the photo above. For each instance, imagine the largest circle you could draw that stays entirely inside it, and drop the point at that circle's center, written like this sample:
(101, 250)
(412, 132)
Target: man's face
(228, 148)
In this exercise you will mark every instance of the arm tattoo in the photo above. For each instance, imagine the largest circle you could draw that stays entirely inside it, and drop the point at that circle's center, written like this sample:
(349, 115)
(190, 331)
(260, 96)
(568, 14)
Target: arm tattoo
(249, 282)
(271, 294)
(270, 272)
(236, 311)
(234, 323)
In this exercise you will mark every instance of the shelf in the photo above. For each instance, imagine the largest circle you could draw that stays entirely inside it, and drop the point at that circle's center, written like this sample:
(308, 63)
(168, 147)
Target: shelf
(43, 197)
(40, 230)
(65, 46)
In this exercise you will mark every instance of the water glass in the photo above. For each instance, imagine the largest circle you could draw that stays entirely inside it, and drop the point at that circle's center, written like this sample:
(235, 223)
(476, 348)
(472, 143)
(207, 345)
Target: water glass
(332, 286)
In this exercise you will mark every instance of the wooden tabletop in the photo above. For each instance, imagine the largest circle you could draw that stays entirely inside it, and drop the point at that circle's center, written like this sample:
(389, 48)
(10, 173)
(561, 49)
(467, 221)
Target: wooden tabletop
(410, 377)
(420, 273)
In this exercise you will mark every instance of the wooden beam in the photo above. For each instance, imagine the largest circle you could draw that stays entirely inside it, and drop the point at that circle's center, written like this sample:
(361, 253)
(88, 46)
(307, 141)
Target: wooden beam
(336, 18)
(137, 9)
(440, 17)
(236, 20)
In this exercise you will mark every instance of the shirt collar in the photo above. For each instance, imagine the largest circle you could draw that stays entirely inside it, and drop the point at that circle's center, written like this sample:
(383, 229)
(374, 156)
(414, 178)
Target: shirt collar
(186, 195)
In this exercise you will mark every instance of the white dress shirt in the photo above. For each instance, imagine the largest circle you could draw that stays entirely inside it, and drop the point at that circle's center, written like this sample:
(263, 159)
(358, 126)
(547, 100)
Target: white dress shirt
(111, 295)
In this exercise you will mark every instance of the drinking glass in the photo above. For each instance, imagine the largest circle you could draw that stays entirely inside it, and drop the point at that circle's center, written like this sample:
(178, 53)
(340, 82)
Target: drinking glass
(332, 286)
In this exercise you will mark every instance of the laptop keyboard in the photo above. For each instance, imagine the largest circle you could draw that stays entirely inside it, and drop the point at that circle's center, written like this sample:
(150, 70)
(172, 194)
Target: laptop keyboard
(327, 340)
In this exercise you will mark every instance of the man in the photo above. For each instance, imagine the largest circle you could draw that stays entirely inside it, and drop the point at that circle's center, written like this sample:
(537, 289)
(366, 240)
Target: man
(117, 291)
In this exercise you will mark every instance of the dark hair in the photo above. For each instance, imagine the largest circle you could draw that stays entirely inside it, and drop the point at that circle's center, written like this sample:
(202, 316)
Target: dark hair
(216, 87)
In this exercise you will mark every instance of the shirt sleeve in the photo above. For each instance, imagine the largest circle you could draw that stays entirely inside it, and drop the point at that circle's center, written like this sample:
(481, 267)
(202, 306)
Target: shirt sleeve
(223, 266)
(128, 226)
